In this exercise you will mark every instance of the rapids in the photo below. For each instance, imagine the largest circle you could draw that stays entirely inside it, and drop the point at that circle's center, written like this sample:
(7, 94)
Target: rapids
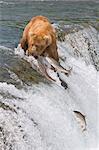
(37, 114)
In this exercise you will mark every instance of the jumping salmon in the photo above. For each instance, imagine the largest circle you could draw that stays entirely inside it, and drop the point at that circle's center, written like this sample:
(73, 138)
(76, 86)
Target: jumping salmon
(81, 119)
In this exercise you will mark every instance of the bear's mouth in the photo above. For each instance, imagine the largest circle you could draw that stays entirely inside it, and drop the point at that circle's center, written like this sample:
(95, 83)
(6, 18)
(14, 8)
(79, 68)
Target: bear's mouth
(36, 57)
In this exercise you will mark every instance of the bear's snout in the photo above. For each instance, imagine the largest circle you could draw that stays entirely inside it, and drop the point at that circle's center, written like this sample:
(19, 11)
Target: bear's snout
(32, 51)
(33, 48)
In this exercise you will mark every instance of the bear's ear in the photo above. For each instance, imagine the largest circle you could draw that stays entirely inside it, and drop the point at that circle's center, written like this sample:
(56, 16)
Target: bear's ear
(48, 39)
(24, 44)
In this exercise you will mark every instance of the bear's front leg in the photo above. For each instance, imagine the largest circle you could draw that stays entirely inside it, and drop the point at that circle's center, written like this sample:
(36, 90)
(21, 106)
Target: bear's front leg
(51, 51)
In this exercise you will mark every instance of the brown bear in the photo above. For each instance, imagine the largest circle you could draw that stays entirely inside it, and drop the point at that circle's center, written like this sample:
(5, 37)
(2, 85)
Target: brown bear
(39, 38)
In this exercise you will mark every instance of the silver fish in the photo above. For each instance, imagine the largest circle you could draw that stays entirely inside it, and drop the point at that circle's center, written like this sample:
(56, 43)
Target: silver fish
(42, 69)
(57, 66)
(81, 120)
(39, 65)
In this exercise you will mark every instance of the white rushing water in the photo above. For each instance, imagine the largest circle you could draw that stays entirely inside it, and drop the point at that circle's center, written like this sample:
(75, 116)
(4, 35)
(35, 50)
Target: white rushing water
(41, 117)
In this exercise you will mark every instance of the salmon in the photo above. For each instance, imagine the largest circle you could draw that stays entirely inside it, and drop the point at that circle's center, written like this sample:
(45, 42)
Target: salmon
(57, 66)
(81, 119)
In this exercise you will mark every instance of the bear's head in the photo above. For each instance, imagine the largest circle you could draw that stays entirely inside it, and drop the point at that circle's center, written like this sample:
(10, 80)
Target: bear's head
(38, 43)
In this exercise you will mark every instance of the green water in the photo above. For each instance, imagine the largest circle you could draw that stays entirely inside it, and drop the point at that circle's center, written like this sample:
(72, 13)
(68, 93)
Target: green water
(16, 14)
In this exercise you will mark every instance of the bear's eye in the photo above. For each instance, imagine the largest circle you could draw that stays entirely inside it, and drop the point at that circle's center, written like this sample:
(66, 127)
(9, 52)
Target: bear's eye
(36, 46)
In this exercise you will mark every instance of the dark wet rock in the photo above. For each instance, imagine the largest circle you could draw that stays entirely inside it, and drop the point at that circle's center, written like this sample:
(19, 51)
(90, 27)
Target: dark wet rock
(34, 122)
(63, 83)
(60, 35)
(81, 41)
(7, 107)
(63, 30)
(20, 68)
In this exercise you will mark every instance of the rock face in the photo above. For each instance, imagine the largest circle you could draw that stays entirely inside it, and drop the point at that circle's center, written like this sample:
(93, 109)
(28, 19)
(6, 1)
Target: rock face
(82, 42)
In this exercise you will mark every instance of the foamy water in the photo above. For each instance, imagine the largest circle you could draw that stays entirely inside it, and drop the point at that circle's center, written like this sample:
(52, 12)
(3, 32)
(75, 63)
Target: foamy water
(41, 117)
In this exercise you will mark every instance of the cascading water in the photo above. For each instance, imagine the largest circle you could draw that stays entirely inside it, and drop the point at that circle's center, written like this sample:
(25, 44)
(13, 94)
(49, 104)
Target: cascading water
(36, 114)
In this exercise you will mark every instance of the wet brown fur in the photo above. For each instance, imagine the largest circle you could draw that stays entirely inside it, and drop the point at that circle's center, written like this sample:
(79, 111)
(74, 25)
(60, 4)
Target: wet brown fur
(39, 38)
